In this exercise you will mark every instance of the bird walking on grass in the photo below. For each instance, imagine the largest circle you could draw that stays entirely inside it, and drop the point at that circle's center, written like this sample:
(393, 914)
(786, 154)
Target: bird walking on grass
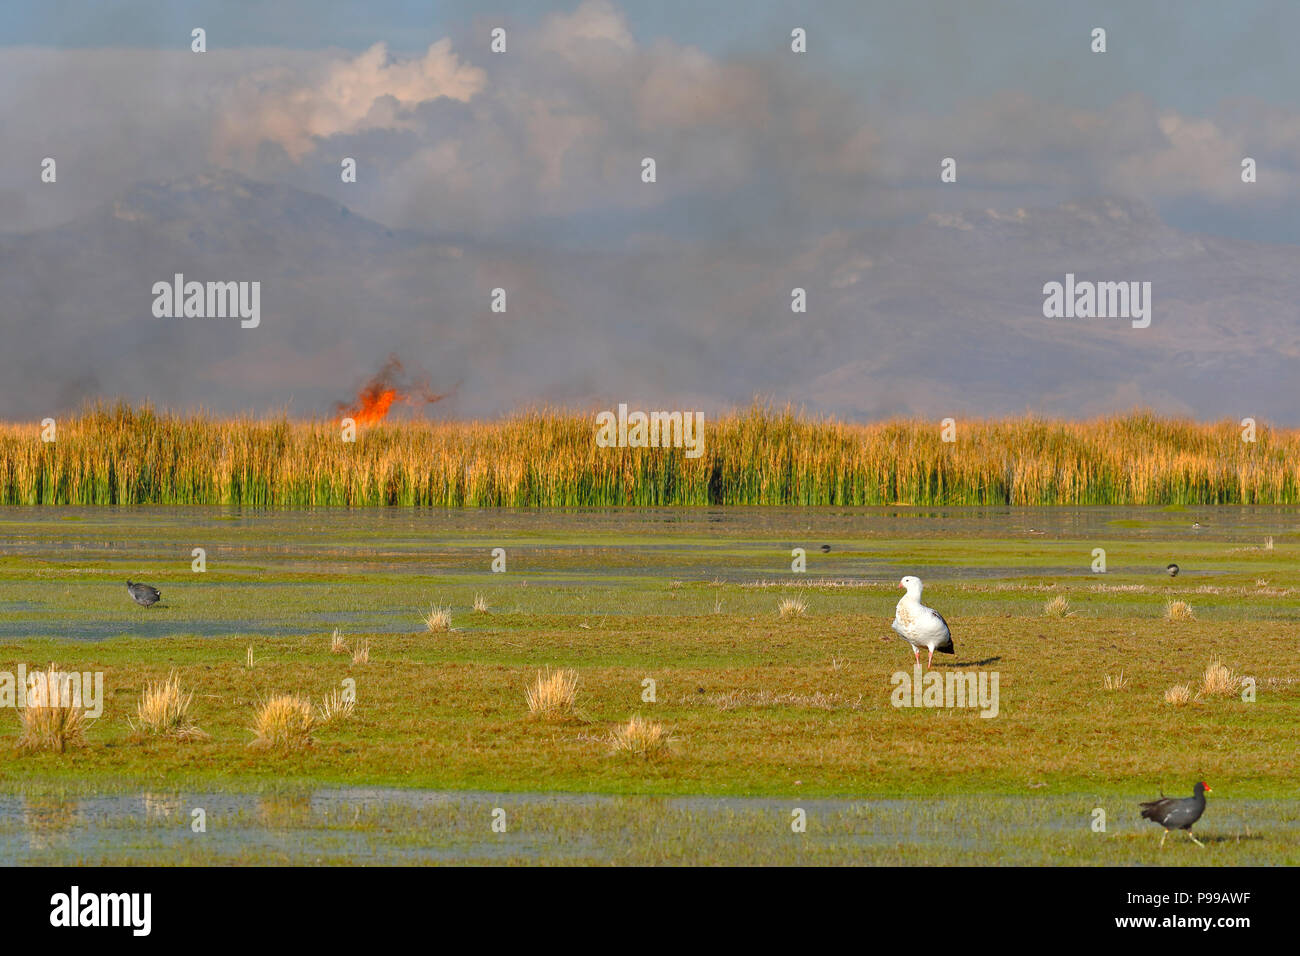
(143, 594)
(1178, 813)
(919, 625)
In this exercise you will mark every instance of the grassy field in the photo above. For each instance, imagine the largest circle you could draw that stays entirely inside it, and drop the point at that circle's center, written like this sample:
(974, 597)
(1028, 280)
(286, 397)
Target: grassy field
(120, 455)
(792, 710)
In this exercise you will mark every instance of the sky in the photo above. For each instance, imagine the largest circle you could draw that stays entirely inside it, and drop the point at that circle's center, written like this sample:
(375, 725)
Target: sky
(764, 156)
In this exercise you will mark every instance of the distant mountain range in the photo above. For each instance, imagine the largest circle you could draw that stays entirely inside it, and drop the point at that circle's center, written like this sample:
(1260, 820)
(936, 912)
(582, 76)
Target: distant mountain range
(938, 318)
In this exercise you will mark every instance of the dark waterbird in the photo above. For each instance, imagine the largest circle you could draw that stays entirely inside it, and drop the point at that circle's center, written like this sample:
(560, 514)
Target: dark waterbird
(143, 594)
(1173, 570)
(1178, 813)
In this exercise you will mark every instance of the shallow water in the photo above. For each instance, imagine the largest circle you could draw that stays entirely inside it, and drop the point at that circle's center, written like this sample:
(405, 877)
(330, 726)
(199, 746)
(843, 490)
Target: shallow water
(397, 530)
(62, 570)
(372, 825)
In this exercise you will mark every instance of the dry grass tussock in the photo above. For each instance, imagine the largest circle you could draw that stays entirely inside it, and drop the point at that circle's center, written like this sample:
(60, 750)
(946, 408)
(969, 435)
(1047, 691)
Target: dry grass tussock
(1058, 606)
(284, 721)
(438, 620)
(164, 711)
(53, 718)
(335, 707)
(792, 607)
(1115, 682)
(645, 739)
(554, 695)
(1219, 680)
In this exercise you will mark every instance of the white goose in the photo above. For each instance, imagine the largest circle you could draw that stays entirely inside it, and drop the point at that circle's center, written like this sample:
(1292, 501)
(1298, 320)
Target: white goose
(919, 625)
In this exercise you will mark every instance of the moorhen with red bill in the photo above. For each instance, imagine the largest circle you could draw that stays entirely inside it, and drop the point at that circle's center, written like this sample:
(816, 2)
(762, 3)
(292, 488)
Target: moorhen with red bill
(1178, 813)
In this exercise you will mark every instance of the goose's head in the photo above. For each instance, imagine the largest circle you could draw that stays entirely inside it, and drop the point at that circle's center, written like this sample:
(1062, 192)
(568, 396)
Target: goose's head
(912, 585)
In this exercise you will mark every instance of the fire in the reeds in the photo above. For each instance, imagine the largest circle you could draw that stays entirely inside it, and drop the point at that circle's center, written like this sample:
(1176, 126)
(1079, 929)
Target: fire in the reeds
(391, 384)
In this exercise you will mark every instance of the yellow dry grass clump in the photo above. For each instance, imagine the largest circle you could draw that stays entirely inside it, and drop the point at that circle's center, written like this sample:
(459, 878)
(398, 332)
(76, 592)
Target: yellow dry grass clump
(335, 707)
(792, 607)
(1179, 611)
(642, 738)
(1115, 681)
(480, 604)
(554, 695)
(1219, 680)
(163, 711)
(438, 619)
(1058, 606)
(53, 718)
(1180, 694)
(283, 720)
(337, 644)
(117, 454)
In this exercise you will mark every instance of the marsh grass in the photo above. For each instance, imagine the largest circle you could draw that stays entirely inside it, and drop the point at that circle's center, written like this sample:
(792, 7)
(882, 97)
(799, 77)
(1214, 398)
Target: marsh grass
(1179, 611)
(361, 653)
(1115, 682)
(792, 607)
(480, 604)
(1219, 680)
(337, 644)
(51, 720)
(163, 711)
(554, 695)
(1058, 606)
(642, 738)
(117, 454)
(335, 707)
(283, 721)
(1180, 694)
(438, 620)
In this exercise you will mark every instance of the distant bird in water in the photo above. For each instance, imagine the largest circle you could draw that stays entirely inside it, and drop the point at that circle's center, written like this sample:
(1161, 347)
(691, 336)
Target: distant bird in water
(1196, 526)
(826, 549)
(919, 625)
(1173, 570)
(143, 594)
(1174, 813)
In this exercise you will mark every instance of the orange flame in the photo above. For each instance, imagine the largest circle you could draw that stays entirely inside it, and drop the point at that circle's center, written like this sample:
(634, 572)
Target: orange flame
(379, 394)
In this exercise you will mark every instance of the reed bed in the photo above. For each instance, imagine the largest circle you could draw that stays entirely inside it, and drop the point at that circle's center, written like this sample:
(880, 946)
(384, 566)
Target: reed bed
(117, 454)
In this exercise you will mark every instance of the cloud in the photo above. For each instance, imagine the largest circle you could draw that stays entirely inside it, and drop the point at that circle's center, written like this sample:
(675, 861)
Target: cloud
(497, 147)
(369, 91)
(595, 23)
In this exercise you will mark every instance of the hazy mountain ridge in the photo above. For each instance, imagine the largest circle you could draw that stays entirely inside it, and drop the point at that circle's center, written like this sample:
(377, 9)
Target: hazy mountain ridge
(943, 317)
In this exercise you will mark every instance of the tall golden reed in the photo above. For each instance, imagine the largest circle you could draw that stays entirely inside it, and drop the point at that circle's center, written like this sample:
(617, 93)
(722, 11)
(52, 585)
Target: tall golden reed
(756, 456)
